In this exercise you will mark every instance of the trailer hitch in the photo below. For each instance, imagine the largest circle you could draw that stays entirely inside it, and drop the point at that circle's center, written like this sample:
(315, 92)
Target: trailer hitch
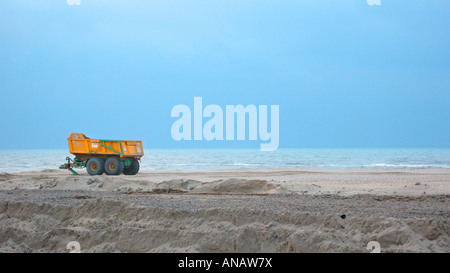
(69, 165)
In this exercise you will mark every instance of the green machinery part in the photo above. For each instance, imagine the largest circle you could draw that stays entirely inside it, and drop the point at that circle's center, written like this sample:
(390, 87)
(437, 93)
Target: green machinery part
(110, 147)
(69, 165)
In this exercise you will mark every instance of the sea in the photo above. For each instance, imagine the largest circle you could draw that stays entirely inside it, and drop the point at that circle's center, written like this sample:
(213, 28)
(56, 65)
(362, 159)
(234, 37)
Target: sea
(14, 161)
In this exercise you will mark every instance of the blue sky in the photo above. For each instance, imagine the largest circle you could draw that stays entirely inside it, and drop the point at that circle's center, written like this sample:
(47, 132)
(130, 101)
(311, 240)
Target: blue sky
(344, 73)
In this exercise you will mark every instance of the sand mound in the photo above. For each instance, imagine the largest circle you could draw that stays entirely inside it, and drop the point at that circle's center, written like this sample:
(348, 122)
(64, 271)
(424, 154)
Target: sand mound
(109, 226)
(239, 186)
(176, 185)
(135, 184)
(99, 183)
(227, 186)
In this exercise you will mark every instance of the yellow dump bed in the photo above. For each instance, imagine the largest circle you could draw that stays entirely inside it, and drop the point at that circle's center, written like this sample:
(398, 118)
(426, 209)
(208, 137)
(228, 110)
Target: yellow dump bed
(80, 145)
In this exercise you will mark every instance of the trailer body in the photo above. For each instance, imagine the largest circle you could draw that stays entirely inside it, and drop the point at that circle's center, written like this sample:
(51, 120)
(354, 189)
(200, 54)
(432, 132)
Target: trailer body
(80, 145)
(104, 155)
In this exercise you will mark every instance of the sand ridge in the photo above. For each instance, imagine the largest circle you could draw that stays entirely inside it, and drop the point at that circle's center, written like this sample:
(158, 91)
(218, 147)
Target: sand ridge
(415, 182)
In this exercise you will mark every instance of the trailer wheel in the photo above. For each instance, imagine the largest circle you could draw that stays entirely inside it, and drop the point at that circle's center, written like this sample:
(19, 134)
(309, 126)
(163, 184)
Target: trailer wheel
(132, 169)
(95, 166)
(113, 166)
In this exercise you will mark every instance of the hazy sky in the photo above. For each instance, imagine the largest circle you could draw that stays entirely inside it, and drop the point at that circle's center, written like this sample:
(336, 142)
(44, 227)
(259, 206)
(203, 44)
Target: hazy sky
(344, 73)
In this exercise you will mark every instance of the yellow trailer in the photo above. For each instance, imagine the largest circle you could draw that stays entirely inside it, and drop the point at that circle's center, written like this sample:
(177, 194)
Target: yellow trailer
(103, 155)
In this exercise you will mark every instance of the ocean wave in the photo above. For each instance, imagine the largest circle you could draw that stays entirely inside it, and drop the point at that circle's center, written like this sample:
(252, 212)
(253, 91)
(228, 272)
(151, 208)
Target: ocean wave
(406, 166)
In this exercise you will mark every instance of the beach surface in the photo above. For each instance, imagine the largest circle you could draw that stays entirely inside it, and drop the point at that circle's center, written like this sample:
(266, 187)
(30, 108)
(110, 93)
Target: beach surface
(251, 210)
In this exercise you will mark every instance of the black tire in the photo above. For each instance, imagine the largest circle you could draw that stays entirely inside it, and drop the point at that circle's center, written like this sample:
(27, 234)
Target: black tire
(95, 166)
(113, 166)
(132, 169)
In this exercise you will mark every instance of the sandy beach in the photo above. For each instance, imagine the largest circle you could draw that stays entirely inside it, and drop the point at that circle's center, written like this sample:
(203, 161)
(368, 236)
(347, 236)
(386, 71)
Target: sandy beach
(270, 210)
